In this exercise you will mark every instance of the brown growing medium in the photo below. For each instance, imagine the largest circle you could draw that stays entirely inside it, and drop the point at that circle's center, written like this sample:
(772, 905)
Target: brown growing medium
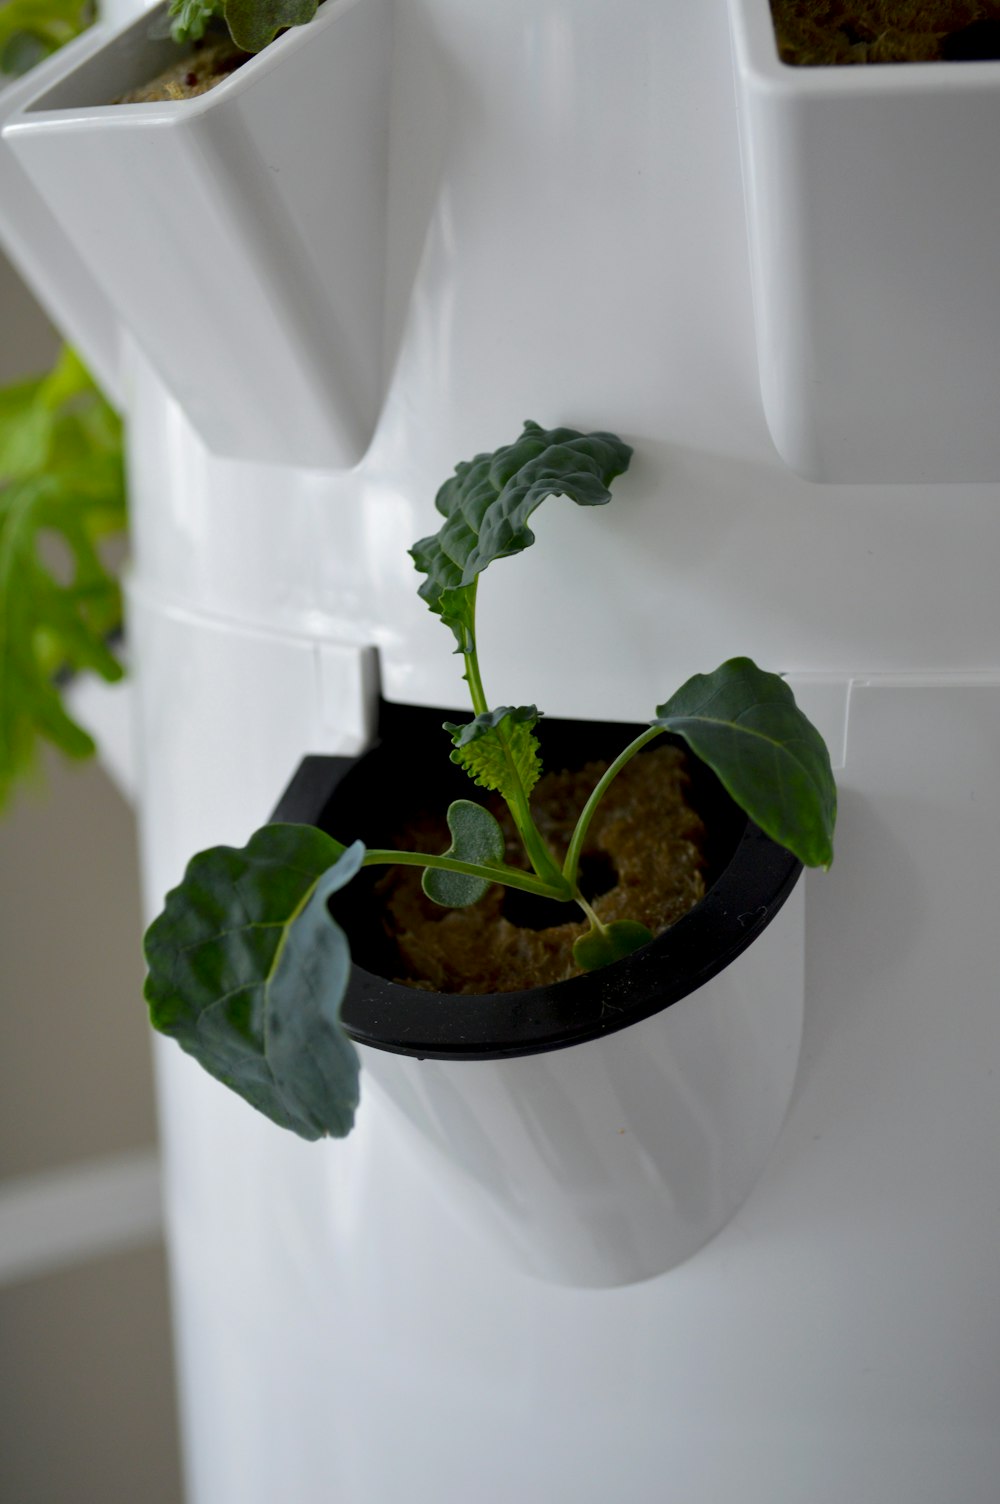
(645, 839)
(817, 33)
(208, 63)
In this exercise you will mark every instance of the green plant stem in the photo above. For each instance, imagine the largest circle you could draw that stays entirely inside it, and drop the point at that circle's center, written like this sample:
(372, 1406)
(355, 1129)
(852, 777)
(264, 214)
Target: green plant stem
(571, 865)
(538, 853)
(510, 877)
(472, 675)
(592, 919)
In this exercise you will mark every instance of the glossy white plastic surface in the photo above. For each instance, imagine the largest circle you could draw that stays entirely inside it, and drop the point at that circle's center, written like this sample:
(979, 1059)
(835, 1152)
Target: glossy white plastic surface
(43, 250)
(837, 1339)
(615, 1160)
(511, 296)
(239, 236)
(872, 196)
(567, 242)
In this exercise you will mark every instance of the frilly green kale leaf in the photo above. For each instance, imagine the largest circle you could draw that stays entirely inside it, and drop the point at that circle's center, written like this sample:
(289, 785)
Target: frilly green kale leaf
(62, 495)
(498, 746)
(487, 502)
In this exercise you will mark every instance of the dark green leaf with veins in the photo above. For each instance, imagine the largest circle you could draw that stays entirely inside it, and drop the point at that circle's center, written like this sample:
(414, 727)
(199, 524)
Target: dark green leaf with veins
(744, 723)
(487, 502)
(247, 971)
(498, 747)
(475, 837)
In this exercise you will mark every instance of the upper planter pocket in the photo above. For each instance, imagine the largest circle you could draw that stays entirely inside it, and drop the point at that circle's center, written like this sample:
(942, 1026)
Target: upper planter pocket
(38, 245)
(873, 206)
(239, 235)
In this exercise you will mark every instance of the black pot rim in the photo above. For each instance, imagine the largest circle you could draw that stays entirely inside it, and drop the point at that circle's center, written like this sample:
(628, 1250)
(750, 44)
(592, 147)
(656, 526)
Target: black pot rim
(386, 1015)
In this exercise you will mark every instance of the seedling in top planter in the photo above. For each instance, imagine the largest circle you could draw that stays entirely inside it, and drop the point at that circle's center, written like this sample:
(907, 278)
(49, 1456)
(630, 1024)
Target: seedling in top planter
(247, 967)
(252, 24)
(214, 38)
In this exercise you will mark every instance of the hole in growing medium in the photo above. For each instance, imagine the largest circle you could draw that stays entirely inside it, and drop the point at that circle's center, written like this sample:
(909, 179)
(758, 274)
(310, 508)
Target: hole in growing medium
(597, 876)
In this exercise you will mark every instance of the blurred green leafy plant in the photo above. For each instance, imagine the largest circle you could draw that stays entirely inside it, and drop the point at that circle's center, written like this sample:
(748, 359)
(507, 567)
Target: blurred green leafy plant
(30, 30)
(62, 498)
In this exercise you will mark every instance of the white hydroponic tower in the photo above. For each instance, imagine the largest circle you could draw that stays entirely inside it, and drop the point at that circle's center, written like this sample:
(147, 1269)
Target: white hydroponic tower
(557, 230)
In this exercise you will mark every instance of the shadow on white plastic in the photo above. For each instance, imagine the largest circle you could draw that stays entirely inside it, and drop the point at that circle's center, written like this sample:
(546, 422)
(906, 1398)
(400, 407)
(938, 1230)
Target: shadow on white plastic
(616, 1159)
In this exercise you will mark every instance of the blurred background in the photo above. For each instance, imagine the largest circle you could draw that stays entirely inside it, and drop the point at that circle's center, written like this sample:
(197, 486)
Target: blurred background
(87, 1411)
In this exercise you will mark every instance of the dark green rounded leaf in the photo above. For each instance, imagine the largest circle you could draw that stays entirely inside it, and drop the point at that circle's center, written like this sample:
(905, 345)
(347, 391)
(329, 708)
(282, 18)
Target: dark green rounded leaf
(247, 970)
(600, 947)
(744, 723)
(255, 23)
(477, 838)
(314, 1064)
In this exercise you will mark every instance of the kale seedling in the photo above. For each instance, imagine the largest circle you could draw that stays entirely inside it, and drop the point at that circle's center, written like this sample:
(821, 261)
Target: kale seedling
(252, 24)
(247, 968)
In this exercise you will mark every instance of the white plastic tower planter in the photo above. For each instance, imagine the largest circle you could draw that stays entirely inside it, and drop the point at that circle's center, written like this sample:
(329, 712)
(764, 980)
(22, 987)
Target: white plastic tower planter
(602, 1129)
(569, 243)
(873, 202)
(238, 235)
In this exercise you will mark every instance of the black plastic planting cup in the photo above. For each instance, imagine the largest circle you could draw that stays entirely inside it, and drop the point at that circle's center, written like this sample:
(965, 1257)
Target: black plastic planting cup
(408, 771)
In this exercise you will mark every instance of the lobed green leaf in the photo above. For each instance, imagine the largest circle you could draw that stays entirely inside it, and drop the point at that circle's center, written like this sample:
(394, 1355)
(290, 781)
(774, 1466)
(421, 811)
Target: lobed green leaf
(247, 971)
(744, 723)
(498, 750)
(476, 837)
(487, 502)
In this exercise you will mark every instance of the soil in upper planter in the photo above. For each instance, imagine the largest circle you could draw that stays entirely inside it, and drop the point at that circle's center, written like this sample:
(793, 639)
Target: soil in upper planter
(820, 33)
(209, 62)
(644, 860)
